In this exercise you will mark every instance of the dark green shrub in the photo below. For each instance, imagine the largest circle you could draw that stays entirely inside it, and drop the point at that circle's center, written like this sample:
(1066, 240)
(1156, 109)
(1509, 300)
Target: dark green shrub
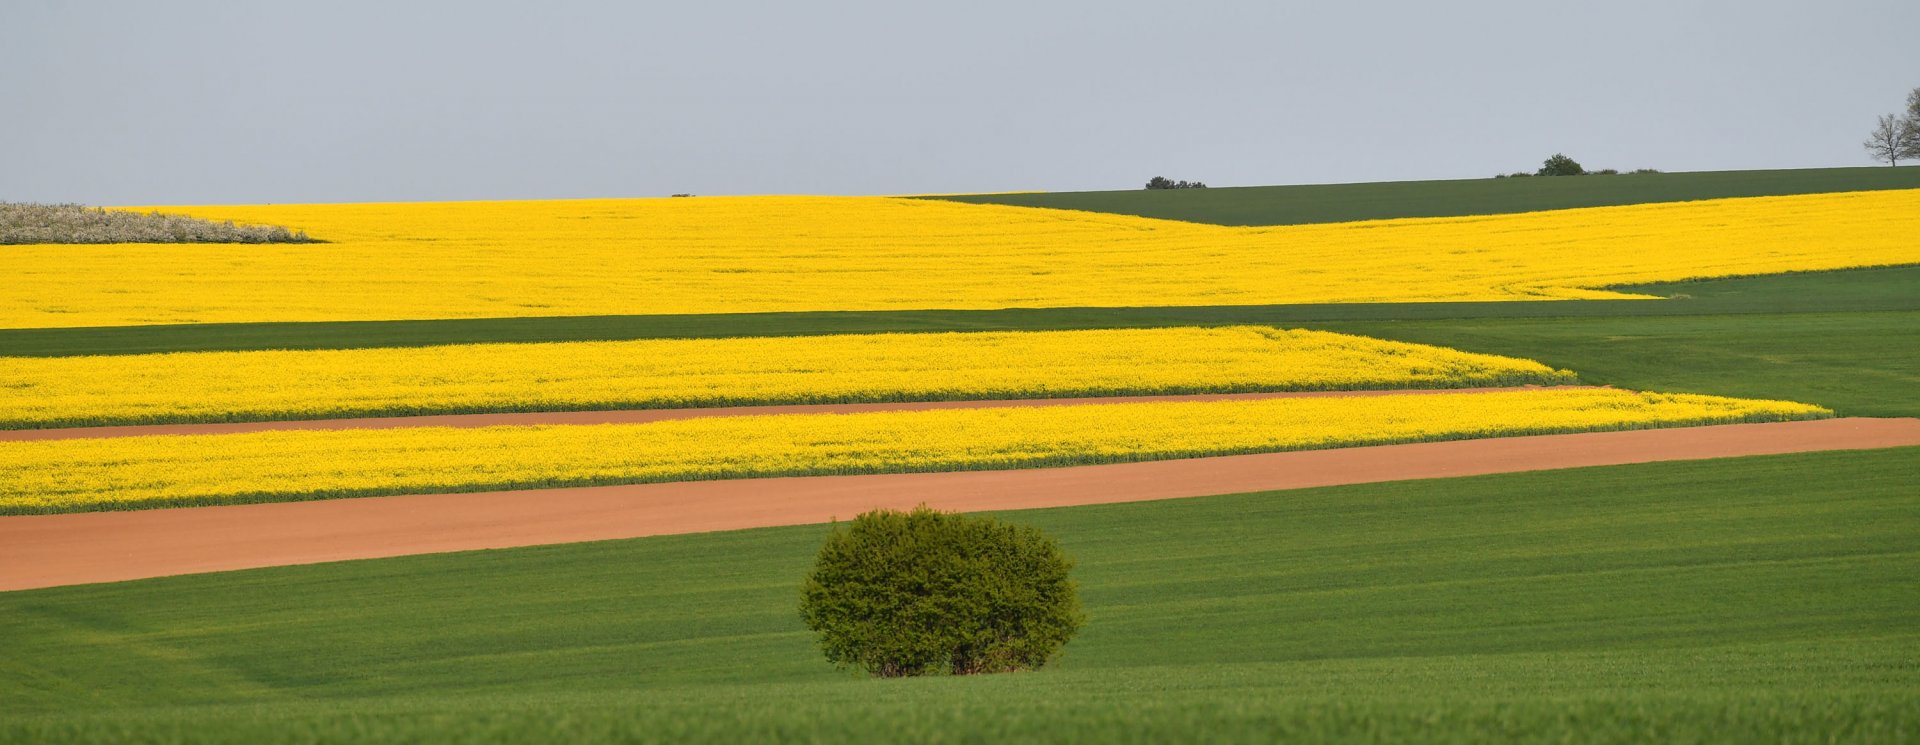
(1162, 182)
(1560, 165)
(922, 592)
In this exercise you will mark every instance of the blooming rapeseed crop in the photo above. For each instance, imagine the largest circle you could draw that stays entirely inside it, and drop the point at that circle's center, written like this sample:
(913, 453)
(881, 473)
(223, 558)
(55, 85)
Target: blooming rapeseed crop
(736, 254)
(664, 373)
(78, 475)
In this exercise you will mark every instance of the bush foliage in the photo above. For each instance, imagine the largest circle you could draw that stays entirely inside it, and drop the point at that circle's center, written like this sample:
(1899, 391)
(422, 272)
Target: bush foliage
(926, 592)
(1162, 182)
(1560, 165)
(22, 222)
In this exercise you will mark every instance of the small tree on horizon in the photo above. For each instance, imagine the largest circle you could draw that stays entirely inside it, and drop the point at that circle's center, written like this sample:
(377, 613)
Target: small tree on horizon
(1162, 182)
(1560, 165)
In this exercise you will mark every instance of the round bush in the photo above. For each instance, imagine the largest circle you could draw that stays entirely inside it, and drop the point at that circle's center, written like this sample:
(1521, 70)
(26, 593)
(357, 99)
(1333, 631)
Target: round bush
(1561, 165)
(922, 592)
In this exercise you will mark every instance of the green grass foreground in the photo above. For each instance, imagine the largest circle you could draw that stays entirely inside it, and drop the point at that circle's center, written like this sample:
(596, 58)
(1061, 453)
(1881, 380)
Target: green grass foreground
(1766, 599)
(1324, 203)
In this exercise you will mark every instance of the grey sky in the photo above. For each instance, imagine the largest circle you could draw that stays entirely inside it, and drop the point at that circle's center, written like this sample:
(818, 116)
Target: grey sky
(209, 102)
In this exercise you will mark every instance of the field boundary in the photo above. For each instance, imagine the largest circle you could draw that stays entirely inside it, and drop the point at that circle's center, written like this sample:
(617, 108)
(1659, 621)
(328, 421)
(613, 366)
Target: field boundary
(640, 416)
(68, 549)
(1827, 291)
(1309, 204)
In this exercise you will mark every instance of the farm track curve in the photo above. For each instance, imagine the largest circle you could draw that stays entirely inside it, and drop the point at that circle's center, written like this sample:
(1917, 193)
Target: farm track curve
(54, 550)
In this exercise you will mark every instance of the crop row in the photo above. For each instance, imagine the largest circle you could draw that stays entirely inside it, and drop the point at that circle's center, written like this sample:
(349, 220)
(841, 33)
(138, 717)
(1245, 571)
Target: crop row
(136, 472)
(674, 373)
(748, 254)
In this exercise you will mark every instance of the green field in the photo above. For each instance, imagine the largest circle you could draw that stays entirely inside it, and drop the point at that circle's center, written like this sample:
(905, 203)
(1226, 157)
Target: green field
(1849, 341)
(1856, 290)
(1735, 600)
(1321, 203)
(1858, 364)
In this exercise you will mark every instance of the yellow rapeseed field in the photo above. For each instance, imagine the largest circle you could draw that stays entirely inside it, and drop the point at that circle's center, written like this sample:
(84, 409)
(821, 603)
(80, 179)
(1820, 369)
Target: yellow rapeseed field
(92, 474)
(666, 373)
(734, 254)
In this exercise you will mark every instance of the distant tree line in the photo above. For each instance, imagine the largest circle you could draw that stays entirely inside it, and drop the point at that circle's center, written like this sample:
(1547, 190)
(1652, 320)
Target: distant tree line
(1897, 136)
(29, 222)
(1561, 165)
(1162, 182)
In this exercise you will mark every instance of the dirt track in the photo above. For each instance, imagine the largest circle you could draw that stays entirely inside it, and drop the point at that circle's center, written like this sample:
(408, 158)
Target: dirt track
(632, 416)
(53, 550)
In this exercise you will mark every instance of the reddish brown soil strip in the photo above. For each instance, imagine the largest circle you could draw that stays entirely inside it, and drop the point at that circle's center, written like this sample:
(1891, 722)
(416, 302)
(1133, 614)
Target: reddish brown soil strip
(52, 550)
(632, 416)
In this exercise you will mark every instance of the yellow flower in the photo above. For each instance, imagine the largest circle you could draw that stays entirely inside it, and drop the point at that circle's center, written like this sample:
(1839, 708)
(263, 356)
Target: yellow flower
(737, 254)
(75, 475)
(665, 373)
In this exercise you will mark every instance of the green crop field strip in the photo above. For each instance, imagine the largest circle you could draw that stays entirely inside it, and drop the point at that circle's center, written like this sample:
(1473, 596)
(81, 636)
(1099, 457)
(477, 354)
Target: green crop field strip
(1733, 600)
(1877, 289)
(1322, 203)
(1861, 364)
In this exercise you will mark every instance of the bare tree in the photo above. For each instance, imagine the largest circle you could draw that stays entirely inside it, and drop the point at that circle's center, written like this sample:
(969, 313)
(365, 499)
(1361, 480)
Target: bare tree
(1893, 138)
(1897, 136)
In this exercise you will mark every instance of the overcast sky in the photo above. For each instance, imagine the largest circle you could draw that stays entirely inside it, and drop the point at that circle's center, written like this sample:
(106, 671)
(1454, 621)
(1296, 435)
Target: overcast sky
(232, 102)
